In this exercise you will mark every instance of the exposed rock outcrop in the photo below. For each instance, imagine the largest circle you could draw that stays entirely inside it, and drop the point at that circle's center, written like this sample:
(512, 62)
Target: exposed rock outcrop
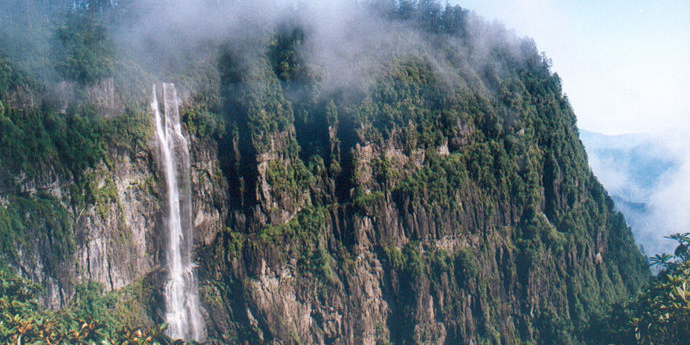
(115, 212)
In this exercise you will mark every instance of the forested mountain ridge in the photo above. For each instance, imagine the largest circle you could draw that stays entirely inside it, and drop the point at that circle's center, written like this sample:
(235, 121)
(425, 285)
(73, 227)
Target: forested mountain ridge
(435, 192)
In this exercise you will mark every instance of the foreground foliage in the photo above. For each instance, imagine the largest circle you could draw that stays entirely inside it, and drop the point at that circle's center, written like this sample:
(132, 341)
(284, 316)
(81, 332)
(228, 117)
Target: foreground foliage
(661, 313)
(24, 321)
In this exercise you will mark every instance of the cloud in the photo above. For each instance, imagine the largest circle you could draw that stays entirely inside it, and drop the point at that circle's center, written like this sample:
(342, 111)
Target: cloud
(624, 64)
(671, 201)
(648, 169)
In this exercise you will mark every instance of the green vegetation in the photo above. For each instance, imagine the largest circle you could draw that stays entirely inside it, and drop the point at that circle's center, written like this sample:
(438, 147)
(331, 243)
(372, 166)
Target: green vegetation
(203, 123)
(83, 52)
(88, 319)
(455, 167)
(288, 178)
(450, 146)
(37, 219)
(39, 139)
(40, 142)
(305, 237)
(660, 314)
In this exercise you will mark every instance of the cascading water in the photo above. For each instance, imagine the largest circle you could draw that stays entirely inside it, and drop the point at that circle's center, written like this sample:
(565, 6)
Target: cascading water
(182, 309)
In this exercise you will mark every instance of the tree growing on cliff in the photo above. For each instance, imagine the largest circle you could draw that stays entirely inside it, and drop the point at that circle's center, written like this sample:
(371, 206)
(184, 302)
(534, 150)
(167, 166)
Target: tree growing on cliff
(82, 50)
(661, 313)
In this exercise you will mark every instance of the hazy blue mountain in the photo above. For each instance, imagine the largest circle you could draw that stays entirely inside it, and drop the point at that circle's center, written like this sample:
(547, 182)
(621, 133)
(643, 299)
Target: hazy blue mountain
(638, 157)
(632, 167)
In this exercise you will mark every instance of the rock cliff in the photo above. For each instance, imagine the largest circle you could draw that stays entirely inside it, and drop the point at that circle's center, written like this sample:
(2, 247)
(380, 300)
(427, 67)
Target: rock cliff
(444, 199)
(450, 224)
(112, 214)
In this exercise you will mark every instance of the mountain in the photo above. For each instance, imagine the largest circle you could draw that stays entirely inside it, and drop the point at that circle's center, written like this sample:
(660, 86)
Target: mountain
(383, 173)
(636, 156)
(636, 169)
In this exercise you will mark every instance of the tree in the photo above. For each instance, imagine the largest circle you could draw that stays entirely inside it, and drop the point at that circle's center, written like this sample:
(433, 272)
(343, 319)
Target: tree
(661, 313)
(24, 321)
(82, 50)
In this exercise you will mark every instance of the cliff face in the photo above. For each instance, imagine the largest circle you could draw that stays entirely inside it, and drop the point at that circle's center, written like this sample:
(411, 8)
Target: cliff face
(445, 200)
(418, 213)
(112, 241)
(108, 217)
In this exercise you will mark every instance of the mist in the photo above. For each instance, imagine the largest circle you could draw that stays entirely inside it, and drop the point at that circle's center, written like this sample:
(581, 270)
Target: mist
(347, 42)
(671, 200)
(649, 177)
(352, 41)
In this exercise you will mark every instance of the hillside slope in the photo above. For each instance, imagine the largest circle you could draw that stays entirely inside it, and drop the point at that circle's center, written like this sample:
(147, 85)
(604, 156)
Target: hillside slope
(435, 193)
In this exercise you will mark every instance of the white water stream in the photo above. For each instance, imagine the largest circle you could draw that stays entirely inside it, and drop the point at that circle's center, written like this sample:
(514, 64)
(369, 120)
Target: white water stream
(182, 309)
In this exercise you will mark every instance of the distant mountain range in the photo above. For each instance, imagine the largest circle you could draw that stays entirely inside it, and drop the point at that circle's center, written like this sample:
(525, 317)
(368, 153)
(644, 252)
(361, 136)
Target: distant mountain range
(632, 167)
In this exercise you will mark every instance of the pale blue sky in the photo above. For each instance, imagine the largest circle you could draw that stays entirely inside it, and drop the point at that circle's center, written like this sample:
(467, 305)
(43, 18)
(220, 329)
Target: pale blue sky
(625, 65)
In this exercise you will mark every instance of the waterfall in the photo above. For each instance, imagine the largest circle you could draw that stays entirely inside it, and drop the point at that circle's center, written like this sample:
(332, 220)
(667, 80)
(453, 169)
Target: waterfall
(182, 309)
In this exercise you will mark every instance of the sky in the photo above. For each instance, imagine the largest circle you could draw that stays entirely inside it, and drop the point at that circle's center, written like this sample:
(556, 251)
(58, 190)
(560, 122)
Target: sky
(625, 64)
